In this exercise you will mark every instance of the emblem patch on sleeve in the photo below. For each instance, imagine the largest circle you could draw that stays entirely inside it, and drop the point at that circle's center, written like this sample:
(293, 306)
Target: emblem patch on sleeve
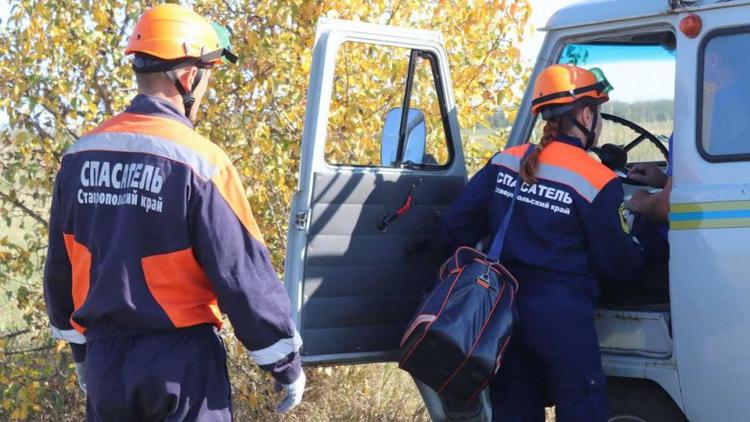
(624, 219)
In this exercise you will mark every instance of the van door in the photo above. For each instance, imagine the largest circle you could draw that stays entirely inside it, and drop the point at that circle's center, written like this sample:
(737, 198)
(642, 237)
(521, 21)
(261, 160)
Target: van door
(374, 180)
(710, 216)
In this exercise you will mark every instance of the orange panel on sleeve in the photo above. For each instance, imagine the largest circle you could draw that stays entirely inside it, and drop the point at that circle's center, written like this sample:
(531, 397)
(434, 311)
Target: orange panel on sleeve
(180, 286)
(228, 182)
(80, 263)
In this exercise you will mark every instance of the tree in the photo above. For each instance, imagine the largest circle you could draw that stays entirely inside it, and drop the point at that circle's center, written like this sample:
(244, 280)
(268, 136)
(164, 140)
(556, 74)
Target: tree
(62, 71)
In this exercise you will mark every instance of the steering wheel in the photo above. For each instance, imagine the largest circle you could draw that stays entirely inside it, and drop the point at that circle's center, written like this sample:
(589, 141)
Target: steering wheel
(616, 156)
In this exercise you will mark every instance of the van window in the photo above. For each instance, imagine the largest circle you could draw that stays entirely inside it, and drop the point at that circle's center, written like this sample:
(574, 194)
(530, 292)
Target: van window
(371, 80)
(643, 78)
(724, 97)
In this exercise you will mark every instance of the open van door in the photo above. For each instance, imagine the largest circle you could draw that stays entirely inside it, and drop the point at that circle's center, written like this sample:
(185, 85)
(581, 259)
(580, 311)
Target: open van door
(381, 160)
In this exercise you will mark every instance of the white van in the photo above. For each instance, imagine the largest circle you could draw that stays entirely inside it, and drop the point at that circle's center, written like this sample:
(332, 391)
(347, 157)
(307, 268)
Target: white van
(355, 273)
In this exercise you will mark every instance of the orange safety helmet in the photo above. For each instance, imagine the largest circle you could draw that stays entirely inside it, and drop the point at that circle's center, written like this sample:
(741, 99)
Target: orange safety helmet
(169, 36)
(172, 33)
(560, 87)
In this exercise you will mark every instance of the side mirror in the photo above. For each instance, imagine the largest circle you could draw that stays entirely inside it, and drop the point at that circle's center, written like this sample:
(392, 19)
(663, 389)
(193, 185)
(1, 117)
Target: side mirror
(416, 130)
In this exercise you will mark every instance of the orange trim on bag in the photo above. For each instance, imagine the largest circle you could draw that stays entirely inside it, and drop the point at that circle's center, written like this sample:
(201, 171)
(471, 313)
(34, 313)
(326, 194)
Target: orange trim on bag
(418, 320)
(80, 264)
(180, 286)
(571, 158)
(483, 284)
(429, 324)
(165, 128)
(229, 185)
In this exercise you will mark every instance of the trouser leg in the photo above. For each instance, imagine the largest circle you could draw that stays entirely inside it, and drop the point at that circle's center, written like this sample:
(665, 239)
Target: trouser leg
(174, 376)
(517, 392)
(561, 335)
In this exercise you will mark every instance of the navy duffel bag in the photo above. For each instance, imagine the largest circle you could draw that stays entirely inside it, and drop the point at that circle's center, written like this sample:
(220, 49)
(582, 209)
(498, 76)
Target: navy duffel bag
(456, 340)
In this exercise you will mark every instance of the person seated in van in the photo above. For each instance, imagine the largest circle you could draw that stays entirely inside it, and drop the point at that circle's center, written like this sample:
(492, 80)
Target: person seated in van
(651, 212)
(719, 87)
(568, 230)
(654, 206)
(649, 225)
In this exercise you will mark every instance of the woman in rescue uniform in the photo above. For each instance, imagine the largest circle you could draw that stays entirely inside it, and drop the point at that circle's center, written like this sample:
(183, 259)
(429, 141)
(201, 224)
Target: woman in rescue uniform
(567, 233)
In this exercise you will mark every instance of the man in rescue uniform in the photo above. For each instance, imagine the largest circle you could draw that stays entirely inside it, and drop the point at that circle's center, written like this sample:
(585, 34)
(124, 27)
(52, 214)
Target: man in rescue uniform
(151, 237)
(567, 232)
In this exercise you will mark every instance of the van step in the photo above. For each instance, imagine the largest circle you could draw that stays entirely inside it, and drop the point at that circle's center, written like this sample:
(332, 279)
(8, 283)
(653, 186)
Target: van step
(636, 333)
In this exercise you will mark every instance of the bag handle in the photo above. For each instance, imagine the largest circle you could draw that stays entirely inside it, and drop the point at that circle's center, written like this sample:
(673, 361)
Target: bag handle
(497, 245)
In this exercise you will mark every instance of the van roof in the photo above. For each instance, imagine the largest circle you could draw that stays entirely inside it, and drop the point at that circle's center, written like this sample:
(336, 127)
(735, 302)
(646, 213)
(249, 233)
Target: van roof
(587, 12)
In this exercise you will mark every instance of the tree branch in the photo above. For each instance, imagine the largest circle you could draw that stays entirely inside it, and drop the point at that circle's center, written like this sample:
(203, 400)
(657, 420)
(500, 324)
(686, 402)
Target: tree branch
(61, 120)
(103, 94)
(229, 7)
(28, 211)
(42, 132)
(26, 351)
(492, 49)
(395, 10)
(15, 333)
(125, 21)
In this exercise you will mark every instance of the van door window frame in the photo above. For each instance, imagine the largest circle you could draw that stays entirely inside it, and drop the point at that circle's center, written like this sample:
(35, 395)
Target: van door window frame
(700, 65)
(523, 135)
(433, 59)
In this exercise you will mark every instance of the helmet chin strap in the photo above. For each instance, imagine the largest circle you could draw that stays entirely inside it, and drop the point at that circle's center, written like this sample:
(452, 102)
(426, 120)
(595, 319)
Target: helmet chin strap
(589, 133)
(187, 95)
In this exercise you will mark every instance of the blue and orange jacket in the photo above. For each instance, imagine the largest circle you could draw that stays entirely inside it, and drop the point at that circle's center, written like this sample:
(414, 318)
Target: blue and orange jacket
(568, 227)
(150, 231)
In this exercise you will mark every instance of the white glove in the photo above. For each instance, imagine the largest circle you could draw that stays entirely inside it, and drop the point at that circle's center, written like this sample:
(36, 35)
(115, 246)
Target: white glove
(293, 391)
(81, 376)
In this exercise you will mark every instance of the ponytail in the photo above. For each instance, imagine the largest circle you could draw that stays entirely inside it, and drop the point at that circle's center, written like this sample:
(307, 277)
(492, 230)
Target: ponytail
(552, 130)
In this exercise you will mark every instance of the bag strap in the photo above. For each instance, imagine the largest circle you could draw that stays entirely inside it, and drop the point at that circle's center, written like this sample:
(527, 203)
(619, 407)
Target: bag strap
(497, 245)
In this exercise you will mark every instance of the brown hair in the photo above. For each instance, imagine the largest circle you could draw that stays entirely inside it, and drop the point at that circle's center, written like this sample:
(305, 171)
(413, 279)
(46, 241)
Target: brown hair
(552, 130)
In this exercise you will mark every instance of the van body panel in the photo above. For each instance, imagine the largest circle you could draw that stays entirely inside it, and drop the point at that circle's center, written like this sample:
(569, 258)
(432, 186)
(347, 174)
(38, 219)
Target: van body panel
(661, 371)
(709, 266)
(603, 11)
(594, 12)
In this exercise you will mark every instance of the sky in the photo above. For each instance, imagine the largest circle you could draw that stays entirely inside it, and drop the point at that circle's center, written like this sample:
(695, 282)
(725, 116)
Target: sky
(4, 9)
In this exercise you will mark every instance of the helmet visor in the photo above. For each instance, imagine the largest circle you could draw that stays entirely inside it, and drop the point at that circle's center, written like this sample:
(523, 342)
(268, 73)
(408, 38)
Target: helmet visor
(599, 74)
(224, 52)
